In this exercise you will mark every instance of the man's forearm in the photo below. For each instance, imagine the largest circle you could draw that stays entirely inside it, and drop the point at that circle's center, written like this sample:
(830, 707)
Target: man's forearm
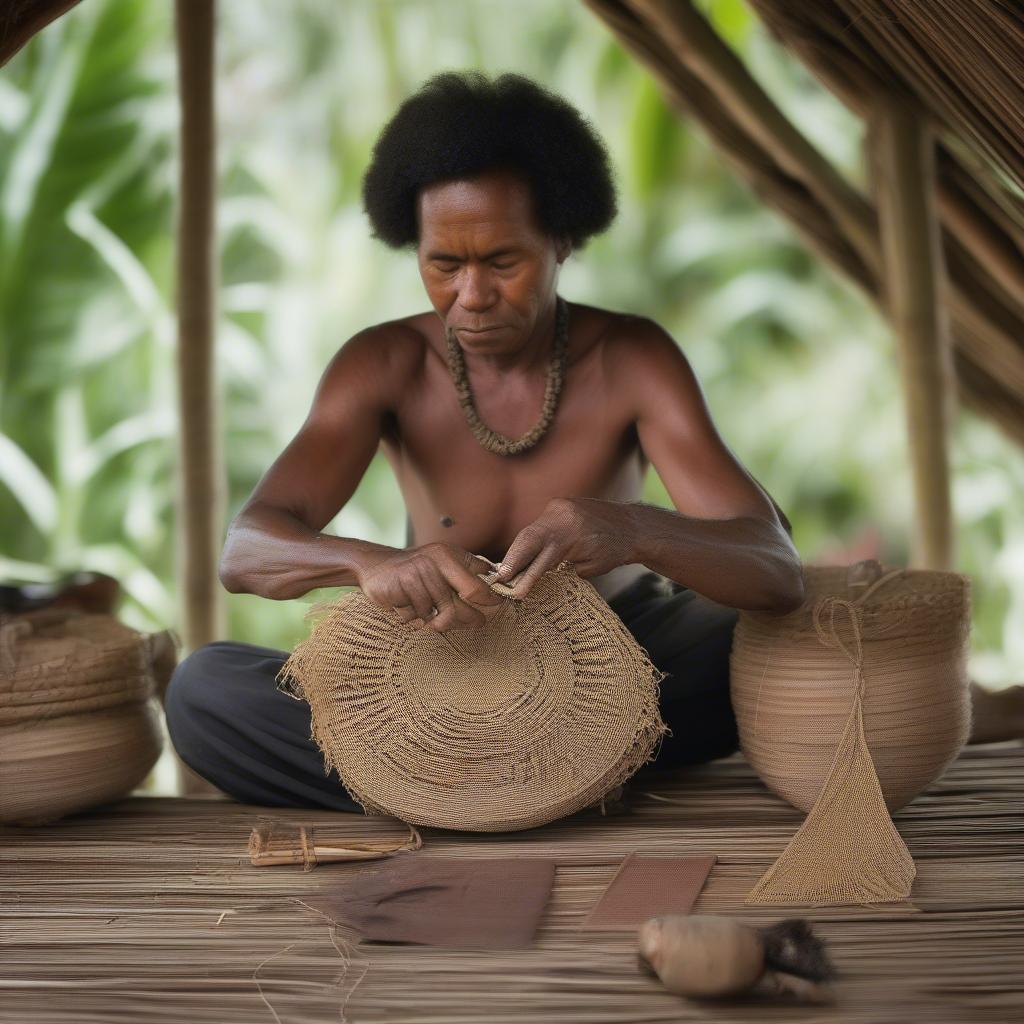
(272, 553)
(743, 562)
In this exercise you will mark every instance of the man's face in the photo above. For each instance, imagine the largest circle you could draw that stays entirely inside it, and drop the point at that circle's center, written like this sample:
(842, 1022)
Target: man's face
(489, 269)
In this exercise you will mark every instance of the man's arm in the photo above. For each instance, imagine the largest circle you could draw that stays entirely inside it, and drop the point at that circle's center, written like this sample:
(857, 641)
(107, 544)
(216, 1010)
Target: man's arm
(728, 540)
(274, 546)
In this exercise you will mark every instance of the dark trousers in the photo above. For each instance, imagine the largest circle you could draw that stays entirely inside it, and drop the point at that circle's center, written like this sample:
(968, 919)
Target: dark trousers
(231, 725)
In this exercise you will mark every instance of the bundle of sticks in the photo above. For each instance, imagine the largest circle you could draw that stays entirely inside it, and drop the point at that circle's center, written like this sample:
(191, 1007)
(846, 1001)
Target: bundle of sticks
(281, 842)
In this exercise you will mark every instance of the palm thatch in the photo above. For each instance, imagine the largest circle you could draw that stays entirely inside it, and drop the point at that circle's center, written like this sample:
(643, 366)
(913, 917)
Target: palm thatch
(20, 20)
(961, 64)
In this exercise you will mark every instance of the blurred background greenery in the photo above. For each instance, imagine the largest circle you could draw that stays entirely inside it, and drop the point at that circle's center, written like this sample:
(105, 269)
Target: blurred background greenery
(797, 367)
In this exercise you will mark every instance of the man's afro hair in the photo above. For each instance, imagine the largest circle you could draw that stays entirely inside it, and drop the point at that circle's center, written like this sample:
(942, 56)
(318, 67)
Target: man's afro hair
(461, 124)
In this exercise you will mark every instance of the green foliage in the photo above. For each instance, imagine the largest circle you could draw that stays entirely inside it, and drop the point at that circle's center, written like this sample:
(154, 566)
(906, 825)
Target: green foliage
(797, 367)
(86, 404)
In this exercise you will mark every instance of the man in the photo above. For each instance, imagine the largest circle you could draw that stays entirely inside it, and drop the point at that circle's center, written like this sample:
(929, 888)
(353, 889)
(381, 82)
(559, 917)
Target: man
(519, 427)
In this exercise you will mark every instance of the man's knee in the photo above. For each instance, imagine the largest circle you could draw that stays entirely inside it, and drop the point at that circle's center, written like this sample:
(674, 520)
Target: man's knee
(188, 695)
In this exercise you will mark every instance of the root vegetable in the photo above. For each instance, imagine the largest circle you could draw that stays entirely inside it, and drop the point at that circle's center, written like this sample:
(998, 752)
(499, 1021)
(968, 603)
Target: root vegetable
(704, 955)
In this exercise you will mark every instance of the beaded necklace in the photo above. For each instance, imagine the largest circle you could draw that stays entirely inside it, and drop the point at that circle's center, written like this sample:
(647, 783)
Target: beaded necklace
(491, 439)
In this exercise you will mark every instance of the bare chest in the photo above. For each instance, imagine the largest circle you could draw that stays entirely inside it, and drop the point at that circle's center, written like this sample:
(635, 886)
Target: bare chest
(457, 491)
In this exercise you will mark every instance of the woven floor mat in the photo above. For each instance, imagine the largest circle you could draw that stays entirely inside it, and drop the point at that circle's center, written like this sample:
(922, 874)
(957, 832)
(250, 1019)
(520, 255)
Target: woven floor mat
(149, 911)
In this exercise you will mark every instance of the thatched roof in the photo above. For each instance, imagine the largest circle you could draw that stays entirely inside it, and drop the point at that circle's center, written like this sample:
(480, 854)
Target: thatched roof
(20, 20)
(962, 62)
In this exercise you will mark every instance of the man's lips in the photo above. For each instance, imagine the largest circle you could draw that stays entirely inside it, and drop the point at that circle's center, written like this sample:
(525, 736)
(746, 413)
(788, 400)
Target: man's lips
(481, 330)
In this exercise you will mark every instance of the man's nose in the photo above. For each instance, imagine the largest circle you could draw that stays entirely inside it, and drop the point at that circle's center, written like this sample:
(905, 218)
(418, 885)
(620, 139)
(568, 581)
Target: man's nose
(477, 292)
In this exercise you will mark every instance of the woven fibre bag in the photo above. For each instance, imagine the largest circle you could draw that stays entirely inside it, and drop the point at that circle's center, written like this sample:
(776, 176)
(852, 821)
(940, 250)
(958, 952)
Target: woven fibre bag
(59, 766)
(849, 707)
(57, 661)
(536, 715)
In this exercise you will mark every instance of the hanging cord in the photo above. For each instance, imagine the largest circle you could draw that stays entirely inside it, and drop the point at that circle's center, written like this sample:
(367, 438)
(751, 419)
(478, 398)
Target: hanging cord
(829, 604)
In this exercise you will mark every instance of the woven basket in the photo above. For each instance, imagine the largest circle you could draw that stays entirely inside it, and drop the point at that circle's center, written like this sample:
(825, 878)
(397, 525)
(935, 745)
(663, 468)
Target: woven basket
(57, 661)
(79, 720)
(536, 715)
(60, 766)
(793, 679)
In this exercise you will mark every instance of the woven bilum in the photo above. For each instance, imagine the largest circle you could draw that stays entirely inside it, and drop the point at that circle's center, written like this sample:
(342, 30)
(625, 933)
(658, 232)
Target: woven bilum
(848, 707)
(79, 718)
(538, 714)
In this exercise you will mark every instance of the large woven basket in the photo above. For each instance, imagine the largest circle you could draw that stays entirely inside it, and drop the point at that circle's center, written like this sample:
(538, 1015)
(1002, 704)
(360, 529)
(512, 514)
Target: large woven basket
(79, 719)
(539, 714)
(794, 679)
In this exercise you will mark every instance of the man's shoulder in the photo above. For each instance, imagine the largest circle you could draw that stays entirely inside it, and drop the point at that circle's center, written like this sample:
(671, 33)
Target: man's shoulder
(391, 348)
(633, 346)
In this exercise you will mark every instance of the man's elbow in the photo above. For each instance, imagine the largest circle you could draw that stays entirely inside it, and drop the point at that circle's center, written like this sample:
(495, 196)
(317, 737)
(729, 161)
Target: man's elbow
(229, 581)
(790, 594)
(231, 573)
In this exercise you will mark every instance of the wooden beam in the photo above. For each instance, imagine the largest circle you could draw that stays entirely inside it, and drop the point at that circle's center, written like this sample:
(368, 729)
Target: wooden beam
(697, 45)
(693, 99)
(201, 478)
(902, 160)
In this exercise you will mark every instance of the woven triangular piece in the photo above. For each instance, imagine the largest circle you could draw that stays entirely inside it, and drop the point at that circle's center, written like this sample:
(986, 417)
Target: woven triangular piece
(536, 715)
(847, 850)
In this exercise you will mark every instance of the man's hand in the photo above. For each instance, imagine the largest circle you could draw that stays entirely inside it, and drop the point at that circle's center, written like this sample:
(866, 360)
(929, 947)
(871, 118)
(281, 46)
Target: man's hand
(595, 535)
(435, 585)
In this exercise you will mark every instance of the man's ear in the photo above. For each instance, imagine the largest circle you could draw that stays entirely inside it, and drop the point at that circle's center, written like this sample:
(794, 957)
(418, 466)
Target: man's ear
(563, 249)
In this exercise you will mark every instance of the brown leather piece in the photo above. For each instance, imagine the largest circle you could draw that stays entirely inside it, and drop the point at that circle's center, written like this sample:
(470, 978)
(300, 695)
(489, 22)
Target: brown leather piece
(460, 902)
(648, 886)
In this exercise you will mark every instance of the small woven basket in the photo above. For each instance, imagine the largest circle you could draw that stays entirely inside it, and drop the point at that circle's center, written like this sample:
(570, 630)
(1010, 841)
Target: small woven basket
(536, 715)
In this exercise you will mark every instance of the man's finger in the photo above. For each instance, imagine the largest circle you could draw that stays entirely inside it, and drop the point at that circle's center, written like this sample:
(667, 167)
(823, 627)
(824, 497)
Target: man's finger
(467, 584)
(525, 548)
(442, 597)
(547, 559)
(420, 597)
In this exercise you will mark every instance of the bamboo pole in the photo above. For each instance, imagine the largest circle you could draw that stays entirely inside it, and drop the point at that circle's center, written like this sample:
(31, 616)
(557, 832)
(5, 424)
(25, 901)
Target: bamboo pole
(902, 161)
(201, 480)
(988, 244)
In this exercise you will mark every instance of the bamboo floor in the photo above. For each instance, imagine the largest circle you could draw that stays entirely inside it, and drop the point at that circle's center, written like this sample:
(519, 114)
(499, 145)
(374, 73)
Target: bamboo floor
(148, 910)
